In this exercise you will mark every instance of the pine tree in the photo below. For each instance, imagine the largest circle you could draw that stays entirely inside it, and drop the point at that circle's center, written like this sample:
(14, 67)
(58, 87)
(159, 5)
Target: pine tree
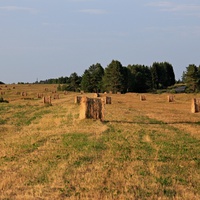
(139, 78)
(192, 77)
(114, 77)
(162, 75)
(92, 78)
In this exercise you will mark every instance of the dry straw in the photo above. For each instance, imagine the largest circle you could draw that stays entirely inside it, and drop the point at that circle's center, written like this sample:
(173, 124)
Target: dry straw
(92, 108)
(24, 94)
(47, 100)
(39, 95)
(195, 106)
(56, 96)
(107, 100)
(142, 98)
(96, 95)
(77, 99)
(170, 98)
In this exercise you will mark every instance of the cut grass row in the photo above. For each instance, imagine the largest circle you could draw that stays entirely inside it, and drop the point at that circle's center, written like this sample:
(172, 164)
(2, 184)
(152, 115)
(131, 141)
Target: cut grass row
(117, 164)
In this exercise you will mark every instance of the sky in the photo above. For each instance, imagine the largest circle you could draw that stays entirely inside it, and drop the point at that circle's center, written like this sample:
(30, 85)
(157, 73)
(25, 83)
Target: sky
(43, 39)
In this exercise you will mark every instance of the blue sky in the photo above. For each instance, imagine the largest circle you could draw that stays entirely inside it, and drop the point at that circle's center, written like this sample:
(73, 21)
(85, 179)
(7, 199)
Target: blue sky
(42, 39)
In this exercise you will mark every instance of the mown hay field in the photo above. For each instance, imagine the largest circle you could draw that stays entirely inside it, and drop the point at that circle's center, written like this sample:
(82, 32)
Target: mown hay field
(142, 150)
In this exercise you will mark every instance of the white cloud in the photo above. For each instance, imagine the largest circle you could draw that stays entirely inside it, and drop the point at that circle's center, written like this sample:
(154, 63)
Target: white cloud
(93, 11)
(175, 7)
(17, 8)
(160, 4)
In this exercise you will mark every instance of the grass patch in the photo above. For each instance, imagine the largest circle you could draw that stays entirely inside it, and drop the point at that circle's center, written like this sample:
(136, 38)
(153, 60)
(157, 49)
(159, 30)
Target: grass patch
(130, 155)
(27, 116)
(8, 159)
(2, 121)
(83, 160)
(82, 142)
(164, 181)
(146, 120)
(30, 147)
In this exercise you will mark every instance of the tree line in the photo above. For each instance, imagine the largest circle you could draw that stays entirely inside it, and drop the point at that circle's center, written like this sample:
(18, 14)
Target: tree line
(132, 78)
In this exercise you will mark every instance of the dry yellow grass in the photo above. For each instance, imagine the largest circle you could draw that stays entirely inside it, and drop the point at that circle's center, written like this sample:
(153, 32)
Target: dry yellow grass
(143, 150)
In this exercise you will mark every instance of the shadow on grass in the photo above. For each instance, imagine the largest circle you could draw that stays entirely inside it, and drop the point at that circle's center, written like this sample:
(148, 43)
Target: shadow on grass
(151, 122)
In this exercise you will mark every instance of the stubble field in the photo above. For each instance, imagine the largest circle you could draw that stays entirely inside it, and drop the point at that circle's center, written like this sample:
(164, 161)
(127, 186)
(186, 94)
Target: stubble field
(142, 150)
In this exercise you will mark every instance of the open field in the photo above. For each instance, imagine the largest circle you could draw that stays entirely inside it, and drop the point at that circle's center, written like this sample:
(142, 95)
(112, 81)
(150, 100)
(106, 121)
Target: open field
(143, 150)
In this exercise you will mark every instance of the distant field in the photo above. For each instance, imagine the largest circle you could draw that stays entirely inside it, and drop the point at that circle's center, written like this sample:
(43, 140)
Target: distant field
(143, 150)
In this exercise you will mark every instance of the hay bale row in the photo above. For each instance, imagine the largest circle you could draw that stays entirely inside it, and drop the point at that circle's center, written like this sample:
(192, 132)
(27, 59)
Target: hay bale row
(92, 108)
(2, 93)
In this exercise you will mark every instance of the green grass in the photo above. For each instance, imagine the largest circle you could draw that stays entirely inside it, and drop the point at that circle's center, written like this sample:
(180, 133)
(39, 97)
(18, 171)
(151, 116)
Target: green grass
(83, 142)
(27, 117)
(146, 120)
(22, 115)
(30, 147)
(2, 121)
(121, 146)
(54, 155)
